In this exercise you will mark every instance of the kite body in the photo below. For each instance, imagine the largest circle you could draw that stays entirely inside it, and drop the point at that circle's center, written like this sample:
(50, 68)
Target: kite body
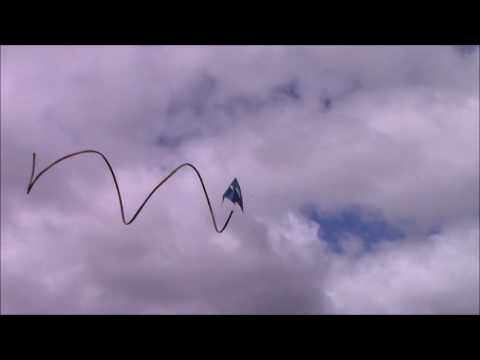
(234, 194)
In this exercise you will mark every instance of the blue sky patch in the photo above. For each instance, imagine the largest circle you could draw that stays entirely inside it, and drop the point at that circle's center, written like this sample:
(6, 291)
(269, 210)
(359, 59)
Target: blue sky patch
(353, 222)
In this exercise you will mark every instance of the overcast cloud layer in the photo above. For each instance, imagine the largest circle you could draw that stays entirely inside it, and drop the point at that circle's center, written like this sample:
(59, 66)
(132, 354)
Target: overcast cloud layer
(391, 133)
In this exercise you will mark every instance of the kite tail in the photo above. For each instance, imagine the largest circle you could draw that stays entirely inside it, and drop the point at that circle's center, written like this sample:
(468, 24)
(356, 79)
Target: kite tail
(33, 180)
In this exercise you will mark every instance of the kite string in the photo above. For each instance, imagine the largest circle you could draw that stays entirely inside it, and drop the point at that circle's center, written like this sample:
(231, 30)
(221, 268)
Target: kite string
(33, 180)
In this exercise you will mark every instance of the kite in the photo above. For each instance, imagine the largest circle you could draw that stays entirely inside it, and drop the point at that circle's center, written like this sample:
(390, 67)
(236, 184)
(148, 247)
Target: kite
(233, 192)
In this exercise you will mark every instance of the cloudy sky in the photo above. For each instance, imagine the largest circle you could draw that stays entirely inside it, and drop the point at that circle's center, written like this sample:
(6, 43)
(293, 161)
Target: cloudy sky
(358, 167)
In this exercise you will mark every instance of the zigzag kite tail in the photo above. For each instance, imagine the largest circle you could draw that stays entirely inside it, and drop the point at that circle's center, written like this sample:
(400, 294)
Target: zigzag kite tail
(33, 180)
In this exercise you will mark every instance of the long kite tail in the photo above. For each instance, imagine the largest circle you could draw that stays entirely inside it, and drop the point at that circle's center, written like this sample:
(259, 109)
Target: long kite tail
(33, 180)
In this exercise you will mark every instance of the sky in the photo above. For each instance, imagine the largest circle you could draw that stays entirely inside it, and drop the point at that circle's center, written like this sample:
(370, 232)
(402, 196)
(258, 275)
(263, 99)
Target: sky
(358, 166)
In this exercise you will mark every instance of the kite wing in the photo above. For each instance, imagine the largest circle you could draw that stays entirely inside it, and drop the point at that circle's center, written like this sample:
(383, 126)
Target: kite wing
(234, 194)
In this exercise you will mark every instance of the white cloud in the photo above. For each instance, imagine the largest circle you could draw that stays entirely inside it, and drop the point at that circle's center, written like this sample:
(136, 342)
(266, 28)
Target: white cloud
(423, 276)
